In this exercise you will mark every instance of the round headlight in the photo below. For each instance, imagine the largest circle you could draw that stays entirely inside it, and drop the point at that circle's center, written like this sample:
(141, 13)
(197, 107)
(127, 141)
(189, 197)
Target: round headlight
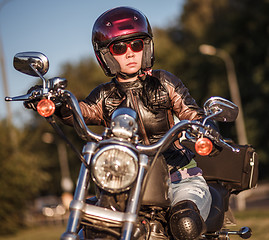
(114, 168)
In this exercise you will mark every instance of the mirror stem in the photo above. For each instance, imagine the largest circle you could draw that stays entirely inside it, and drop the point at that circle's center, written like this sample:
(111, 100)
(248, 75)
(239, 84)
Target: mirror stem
(45, 82)
(211, 115)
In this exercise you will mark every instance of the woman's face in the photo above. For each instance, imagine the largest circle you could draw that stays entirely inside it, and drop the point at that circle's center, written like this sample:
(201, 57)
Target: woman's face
(130, 62)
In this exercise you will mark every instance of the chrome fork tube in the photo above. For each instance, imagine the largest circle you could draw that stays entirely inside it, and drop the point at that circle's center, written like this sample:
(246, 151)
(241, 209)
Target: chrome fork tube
(77, 204)
(133, 205)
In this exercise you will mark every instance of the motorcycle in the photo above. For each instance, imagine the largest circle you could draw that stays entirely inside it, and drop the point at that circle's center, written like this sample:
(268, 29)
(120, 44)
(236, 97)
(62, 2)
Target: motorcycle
(132, 201)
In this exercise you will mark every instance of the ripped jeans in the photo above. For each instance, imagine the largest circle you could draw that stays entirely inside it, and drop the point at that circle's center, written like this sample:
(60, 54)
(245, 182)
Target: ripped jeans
(195, 189)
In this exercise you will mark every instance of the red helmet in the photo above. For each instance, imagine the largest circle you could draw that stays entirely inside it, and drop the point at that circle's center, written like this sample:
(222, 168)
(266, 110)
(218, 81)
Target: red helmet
(121, 23)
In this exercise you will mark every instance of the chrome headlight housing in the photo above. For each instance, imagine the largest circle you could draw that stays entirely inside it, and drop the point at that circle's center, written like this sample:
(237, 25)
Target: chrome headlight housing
(114, 168)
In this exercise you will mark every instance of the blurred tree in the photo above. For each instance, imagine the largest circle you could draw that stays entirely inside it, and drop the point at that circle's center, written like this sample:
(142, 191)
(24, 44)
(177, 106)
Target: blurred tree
(48, 152)
(83, 77)
(34, 169)
(168, 54)
(21, 177)
(241, 28)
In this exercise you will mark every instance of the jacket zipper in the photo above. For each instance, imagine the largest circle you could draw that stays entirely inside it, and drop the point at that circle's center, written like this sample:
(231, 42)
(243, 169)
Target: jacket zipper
(142, 127)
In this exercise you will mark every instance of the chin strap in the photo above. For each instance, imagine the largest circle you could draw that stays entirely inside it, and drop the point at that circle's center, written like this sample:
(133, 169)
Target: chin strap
(140, 73)
(126, 75)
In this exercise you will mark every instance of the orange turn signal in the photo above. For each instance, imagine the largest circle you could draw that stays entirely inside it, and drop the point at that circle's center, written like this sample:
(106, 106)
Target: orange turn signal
(45, 107)
(203, 146)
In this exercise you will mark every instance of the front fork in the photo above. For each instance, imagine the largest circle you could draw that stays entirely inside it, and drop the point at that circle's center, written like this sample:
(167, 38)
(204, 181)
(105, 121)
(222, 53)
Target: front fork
(77, 204)
(134, 202)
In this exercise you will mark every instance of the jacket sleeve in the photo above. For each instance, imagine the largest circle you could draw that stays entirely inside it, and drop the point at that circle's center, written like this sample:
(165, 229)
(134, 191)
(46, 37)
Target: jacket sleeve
(91, 109)
(183, 105)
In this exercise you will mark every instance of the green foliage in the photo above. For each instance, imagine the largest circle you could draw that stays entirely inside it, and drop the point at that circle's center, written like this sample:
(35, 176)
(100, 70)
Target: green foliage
(21, 177)
(240, 28)
(83, 77)
(168, 55)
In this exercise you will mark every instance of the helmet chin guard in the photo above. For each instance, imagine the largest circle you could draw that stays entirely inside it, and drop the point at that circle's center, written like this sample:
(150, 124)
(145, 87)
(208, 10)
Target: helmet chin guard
(109, 64)
(148, 54)
(121, 23)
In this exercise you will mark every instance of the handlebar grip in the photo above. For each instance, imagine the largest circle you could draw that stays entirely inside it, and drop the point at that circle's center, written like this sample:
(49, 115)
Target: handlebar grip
(220, 141)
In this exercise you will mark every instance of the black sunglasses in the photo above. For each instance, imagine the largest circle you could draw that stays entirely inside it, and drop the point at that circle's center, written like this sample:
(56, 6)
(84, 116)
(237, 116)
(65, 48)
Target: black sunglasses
(120, 48)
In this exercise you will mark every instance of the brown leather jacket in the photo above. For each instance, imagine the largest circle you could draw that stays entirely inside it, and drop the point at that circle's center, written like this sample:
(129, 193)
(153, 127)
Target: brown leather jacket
(155, 99)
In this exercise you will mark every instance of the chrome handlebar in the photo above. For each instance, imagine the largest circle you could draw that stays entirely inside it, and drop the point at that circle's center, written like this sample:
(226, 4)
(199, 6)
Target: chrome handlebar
(161, 145)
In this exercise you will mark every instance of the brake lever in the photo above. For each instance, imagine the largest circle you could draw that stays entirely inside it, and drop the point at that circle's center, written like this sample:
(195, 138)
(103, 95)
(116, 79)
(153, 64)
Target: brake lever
(226, 145)
(19, 98)
(36, 93)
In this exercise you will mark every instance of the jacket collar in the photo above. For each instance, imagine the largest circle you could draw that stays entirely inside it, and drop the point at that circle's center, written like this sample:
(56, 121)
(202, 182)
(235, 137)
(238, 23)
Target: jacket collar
(128, 85)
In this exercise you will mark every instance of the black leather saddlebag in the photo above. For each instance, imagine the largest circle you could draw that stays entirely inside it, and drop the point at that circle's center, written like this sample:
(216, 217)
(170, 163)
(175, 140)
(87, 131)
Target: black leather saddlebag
(238, 171)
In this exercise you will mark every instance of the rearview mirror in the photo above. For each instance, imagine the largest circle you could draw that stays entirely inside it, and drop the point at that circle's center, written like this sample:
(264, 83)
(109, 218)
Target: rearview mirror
(30, 62)
(222, 109)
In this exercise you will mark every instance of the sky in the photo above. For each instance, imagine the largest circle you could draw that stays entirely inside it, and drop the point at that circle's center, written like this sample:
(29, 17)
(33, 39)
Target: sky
(61, 29)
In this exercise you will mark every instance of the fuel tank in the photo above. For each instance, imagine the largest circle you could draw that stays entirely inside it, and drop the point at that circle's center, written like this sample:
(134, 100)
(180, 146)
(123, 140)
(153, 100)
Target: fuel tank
(157, 185)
